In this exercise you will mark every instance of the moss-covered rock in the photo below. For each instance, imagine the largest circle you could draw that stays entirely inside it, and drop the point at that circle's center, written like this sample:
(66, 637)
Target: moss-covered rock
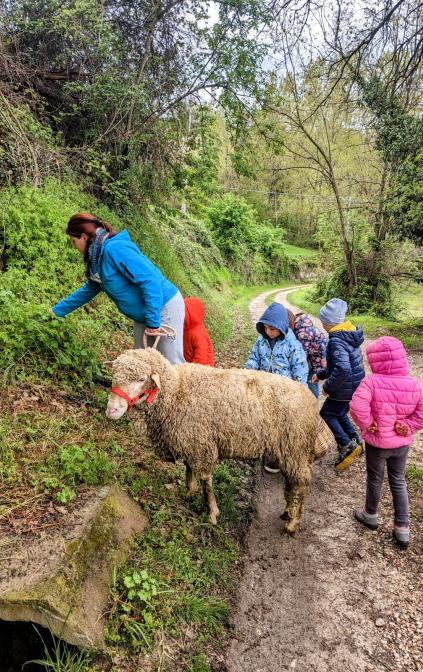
(70, 600)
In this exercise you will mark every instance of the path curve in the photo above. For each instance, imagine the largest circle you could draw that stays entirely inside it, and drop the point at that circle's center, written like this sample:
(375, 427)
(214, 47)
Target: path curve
(335, 599)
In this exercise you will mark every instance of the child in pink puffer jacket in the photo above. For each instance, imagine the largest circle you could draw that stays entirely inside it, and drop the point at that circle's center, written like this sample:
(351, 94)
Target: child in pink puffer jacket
(388, 408)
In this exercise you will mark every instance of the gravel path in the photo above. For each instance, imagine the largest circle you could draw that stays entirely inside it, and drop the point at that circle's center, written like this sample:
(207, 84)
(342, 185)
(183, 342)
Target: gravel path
(337, 598)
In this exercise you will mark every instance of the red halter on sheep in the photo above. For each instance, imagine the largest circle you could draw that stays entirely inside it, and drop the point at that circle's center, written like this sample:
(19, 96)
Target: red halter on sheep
(131, 401)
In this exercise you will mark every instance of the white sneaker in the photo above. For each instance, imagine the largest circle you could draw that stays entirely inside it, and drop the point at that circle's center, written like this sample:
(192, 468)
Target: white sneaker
(270, 467)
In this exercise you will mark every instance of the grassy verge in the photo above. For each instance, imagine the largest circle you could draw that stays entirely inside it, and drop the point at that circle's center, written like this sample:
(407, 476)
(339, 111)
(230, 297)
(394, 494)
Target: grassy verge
(413, 301)
(409, 330)
(415, 475)
(170, 604)
(296, 252)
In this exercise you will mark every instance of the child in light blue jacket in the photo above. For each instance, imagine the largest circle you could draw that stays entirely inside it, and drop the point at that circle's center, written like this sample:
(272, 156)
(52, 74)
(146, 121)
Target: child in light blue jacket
(277, 351)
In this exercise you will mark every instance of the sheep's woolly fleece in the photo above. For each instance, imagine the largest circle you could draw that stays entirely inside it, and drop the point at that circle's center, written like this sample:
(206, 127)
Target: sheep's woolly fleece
(202, 414)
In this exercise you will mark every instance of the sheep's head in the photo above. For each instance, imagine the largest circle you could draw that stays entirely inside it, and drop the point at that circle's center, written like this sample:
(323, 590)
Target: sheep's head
(134, 372)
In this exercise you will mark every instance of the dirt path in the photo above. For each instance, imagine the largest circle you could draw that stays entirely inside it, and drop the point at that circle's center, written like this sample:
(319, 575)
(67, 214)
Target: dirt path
(335, 599)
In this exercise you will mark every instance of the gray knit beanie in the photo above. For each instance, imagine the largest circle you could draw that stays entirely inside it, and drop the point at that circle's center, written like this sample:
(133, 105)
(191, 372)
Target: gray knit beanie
(334, 311)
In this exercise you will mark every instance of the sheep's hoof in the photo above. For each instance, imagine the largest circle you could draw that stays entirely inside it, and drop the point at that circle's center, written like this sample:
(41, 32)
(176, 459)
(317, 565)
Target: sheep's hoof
(290, 527)
(284, 515)
(213, 517)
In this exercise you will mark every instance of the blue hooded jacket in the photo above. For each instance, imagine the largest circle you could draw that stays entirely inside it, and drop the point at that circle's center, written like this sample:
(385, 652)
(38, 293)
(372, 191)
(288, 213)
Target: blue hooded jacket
(132, 281)
(345, 369)
(287, 357)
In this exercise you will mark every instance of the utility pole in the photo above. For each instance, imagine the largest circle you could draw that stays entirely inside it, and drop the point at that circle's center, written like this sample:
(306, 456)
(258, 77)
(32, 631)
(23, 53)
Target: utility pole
(275, 197)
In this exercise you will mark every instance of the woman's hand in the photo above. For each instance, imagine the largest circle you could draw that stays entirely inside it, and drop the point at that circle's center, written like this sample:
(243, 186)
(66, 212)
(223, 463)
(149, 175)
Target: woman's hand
(314, 378)
(401, 428)
(153, 331)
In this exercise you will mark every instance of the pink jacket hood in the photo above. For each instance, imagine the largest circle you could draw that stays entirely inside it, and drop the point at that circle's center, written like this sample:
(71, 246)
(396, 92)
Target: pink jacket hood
(387, 355)
(387, 395)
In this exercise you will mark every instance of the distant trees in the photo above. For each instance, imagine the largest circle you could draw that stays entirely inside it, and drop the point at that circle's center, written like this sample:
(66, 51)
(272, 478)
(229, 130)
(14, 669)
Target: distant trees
(112, 79)
(318, 114)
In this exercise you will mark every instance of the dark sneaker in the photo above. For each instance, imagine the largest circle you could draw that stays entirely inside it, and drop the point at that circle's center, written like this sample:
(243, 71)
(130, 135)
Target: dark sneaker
(347, 454)
(270, 466)
(402, 536)
(367, 519)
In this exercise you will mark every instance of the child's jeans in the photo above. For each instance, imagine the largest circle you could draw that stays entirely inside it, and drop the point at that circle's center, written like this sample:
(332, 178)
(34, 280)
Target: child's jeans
(335, 414)
(396, 459)
(313, 387)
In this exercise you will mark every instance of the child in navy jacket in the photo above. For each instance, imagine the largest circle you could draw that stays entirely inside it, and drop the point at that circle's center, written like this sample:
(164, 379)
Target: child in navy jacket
(342, 376)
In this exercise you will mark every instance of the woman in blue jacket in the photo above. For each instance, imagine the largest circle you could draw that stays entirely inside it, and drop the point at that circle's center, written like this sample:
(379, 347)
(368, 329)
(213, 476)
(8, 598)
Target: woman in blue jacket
(140, 291)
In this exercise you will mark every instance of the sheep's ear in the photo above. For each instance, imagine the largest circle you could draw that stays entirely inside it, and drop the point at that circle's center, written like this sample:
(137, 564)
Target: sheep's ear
(108, 365)
(156, 379)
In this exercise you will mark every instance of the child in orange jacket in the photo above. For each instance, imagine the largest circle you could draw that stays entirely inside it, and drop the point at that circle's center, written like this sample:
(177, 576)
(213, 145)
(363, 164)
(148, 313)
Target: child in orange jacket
(198, 347)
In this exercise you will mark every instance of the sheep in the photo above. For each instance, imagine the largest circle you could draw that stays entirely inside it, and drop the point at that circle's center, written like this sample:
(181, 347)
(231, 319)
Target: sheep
(201, 414)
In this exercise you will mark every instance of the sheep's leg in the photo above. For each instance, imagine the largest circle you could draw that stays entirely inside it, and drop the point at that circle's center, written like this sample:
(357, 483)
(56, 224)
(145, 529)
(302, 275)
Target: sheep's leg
(191, 480)
(210, 500)
(287, 493)
(297, 497)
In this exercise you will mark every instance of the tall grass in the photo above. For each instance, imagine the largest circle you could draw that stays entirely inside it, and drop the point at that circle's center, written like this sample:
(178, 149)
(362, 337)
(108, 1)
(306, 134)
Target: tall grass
(61, 657)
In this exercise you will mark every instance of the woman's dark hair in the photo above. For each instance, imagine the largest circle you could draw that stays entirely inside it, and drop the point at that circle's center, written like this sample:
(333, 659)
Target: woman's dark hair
(84, 222)
(291, 318)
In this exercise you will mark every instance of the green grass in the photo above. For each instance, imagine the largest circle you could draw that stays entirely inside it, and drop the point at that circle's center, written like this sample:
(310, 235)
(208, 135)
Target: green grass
(272, 297)
(198, 663)
(412, 297)
(415, 475)
(181, 570)
(410, 330)
(243, 295)
(296, 252)
(301, 299)
(61, 657)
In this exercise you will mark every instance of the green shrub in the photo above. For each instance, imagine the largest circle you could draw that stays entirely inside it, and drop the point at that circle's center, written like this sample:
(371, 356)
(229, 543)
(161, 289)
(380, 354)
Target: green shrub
(255, 251)
(71, 466)
(40, 267)
(377, 299)
(234, 225)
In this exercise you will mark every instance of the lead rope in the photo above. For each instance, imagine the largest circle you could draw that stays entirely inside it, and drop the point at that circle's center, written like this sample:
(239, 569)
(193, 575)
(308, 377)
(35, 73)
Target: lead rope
(165, 331)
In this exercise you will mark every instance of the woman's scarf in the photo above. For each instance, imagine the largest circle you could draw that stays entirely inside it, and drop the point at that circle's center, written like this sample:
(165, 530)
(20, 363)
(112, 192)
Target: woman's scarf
(94, 253)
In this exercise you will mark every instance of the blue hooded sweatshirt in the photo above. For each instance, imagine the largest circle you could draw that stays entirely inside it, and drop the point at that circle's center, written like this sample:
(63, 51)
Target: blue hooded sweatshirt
(287, 357)
(132, 281)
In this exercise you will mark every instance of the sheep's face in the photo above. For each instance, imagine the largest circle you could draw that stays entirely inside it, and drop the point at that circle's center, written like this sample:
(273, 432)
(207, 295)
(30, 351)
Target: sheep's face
(116, 405)
(134, 371)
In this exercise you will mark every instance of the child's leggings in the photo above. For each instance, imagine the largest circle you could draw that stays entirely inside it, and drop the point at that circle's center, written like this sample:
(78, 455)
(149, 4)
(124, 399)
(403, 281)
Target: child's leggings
(173, 314)
(395, 459)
